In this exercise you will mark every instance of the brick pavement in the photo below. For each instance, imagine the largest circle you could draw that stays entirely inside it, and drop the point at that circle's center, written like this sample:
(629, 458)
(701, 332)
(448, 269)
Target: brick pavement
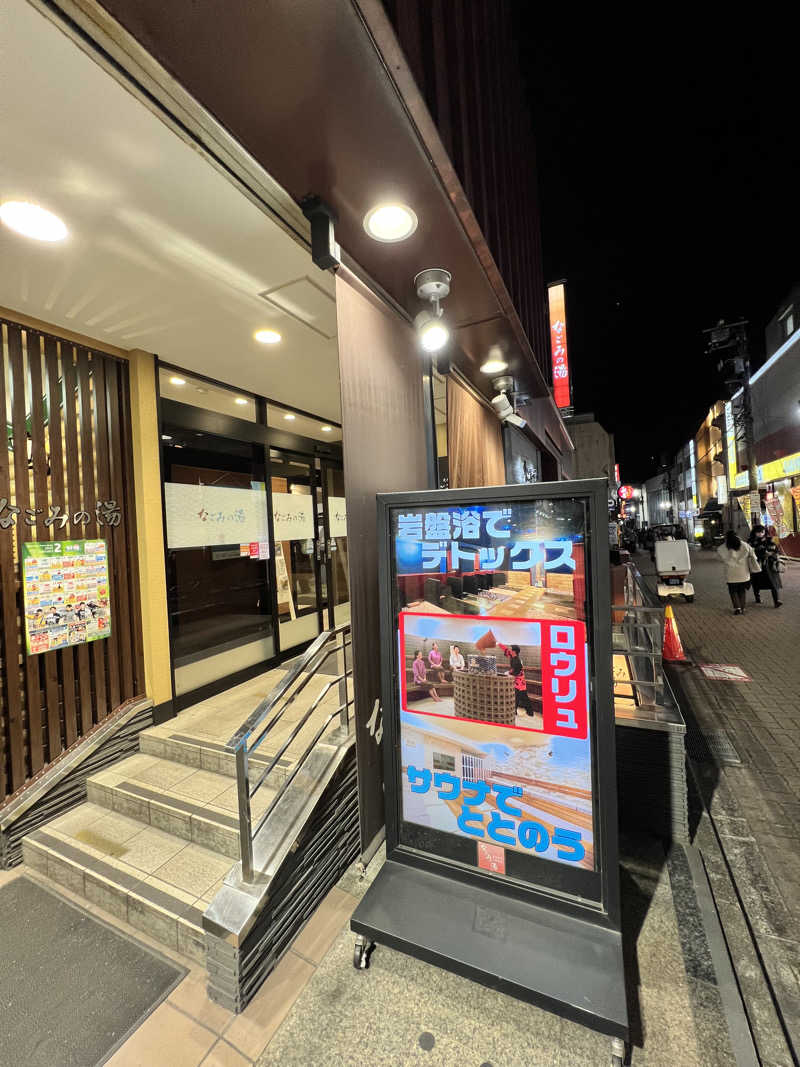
(755, 807)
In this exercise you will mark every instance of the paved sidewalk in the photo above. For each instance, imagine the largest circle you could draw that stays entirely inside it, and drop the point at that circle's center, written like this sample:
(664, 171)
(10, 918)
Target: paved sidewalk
(754, 807)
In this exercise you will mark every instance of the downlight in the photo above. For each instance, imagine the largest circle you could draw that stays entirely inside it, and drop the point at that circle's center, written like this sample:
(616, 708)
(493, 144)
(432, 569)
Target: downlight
(31, 220)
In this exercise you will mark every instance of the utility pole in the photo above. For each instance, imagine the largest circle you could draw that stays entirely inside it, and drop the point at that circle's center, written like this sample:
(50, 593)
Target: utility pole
(728, 341)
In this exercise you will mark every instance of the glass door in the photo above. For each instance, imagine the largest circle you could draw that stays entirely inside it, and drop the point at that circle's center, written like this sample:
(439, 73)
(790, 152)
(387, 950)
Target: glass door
(298, 547)
(336, 558)
(218, 587)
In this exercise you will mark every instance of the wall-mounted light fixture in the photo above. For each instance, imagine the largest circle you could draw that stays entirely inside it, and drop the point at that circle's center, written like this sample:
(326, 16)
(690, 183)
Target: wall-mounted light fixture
(432, 285)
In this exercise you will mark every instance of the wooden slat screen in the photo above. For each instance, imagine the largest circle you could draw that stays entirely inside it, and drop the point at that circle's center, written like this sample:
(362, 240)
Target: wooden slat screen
(67, 447)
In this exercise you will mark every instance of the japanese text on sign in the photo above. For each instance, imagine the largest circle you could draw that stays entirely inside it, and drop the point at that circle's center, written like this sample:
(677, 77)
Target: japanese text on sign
(441, 535)
(516, 830)
(106, 513)
(564, 666)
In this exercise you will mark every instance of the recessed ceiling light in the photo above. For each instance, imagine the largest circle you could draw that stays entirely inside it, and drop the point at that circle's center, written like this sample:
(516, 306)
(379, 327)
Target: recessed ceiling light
(166, 437)
(390, 222)
(267, 337)
(289, 416)
(32, 221)
(175, 380)
(494, 365)
(240, 400)
(326, 429)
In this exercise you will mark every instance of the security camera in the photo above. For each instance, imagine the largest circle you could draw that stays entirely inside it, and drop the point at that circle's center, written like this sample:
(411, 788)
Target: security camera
(505, 410)
(502, 406)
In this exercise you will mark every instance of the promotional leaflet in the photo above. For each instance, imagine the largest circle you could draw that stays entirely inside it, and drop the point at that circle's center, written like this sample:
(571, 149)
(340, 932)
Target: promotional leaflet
(493, 667)
(65, 594)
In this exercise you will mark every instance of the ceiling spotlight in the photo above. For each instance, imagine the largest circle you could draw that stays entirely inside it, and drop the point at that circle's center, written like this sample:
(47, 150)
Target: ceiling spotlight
(240, 400)
(30, 220)
(175, 380)
(432, 285)
(432, 332)
(166, 437)
(326, 429)
(494, 362)
(390, 222)
(289, 416)
(267, 337)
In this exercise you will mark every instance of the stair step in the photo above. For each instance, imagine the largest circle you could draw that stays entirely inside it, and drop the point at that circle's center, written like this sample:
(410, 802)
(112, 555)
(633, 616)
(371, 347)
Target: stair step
(192, 804)
(202, 754)
(158, 883)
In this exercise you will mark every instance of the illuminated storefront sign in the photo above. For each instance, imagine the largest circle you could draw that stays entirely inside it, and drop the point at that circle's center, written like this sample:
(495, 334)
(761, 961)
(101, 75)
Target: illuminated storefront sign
(785, 467)
(625, 492)
(562, 385)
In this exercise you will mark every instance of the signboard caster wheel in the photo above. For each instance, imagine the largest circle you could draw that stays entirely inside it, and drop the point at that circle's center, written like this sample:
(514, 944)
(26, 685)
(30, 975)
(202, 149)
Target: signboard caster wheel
(618, 1052)
(361, 952)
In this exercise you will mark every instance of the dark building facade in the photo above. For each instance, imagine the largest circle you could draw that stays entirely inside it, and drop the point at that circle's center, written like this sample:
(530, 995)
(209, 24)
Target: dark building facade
(465, 61)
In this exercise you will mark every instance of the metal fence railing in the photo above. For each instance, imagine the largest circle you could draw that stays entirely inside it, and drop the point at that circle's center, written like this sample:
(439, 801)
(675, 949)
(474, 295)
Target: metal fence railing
(638, 634)
(269, 714)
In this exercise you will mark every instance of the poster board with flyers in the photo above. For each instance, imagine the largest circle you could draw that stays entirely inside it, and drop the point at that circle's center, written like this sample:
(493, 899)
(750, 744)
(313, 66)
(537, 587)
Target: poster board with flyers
(65, 594)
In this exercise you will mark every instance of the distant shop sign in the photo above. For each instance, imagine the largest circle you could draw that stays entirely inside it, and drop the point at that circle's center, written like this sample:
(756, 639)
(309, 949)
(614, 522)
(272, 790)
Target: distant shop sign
(562, 382)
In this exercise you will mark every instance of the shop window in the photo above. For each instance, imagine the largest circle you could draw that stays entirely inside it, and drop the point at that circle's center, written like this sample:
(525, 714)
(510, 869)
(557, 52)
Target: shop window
(292, 421)
(786, 322)
(176, 384)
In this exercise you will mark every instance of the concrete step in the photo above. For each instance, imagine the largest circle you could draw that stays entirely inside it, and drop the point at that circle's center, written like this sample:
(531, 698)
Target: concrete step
(203, 754)
(195, 805)
(157, 882)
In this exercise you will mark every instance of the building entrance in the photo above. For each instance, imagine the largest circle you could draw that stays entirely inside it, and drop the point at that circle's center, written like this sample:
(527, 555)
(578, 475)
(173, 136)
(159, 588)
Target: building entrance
(309, 529)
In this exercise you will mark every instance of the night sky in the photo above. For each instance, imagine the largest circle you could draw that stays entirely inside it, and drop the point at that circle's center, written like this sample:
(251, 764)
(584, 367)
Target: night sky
(669, 182)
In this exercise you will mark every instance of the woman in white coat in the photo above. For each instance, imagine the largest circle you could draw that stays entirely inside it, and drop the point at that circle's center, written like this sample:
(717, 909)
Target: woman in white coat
(740, 562)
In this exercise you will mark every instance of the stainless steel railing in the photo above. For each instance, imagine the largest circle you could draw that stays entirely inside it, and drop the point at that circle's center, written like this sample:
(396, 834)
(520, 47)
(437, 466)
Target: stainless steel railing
(639, 636)
(269, 713)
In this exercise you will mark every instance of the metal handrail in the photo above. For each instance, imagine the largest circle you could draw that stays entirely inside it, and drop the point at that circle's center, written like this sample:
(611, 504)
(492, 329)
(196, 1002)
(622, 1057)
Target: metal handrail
(642, 630)
(270, 711)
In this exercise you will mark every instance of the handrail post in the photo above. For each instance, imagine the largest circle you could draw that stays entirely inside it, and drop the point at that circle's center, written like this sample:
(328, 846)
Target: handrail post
(245, 821)
(344, 717)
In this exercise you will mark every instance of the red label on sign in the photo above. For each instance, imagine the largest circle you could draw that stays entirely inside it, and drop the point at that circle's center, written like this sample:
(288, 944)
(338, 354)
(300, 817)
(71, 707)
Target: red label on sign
(491, 858)
(565, 708)
(254, 550)
(558, 346)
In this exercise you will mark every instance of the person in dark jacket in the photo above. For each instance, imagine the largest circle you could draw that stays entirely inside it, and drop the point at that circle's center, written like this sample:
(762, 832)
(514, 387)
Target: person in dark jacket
(521, 698)
(766, 550)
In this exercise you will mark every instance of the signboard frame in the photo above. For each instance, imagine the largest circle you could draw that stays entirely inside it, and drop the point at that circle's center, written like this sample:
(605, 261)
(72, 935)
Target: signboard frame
(584, 904)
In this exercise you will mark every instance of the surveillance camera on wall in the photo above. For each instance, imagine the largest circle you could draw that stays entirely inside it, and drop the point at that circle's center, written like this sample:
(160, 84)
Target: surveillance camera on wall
(504, 410)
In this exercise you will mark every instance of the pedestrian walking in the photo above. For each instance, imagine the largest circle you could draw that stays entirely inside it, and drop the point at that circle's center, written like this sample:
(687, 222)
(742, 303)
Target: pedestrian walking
(740, 564)
(768, 556)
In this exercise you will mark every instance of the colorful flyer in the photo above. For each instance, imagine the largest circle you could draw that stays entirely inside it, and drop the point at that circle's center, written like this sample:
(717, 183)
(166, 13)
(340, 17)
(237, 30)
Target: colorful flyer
(65, 594)
(492, 640)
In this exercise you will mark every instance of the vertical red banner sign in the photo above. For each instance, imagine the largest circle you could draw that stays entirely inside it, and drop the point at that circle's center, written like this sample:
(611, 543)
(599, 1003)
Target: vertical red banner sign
(562, 389)
(565, 708)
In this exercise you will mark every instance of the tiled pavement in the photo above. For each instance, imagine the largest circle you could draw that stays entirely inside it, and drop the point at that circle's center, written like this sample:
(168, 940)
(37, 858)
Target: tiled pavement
(189, 1029)
(755, 807)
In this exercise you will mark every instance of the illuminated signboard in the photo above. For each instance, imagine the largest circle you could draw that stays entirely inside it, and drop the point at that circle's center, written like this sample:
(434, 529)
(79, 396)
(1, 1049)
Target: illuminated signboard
(562, 384)
(498, 735)
(625, 492)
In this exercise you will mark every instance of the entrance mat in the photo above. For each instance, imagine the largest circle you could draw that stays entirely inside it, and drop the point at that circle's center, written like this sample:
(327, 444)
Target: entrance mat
(71, 988)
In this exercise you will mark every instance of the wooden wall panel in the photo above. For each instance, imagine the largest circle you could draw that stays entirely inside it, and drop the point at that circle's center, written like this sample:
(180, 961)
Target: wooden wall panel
(65, 469)
(384, 435)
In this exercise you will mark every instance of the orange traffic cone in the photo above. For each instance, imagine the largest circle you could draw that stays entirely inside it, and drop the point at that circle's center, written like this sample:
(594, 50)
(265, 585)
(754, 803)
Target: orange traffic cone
(673, 649)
